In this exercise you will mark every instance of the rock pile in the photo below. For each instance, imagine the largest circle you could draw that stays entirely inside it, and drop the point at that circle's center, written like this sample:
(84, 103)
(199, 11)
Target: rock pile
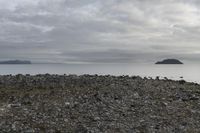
(92, 103)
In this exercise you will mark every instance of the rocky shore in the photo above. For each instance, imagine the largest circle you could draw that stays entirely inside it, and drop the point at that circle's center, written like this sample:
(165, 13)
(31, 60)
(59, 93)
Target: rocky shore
(93, 104)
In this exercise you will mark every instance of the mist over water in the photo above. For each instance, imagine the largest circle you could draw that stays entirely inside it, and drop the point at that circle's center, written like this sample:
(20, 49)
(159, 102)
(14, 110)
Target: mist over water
(189, 72)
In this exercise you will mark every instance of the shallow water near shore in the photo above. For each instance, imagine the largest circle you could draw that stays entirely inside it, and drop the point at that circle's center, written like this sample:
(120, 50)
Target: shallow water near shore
(189, 72)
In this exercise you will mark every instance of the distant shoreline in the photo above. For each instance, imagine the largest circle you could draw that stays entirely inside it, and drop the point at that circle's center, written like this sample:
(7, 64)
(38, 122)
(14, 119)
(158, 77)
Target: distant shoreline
(15, 62)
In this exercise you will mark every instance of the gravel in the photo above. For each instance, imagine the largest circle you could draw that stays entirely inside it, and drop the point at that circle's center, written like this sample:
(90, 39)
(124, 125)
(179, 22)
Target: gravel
(97, 104)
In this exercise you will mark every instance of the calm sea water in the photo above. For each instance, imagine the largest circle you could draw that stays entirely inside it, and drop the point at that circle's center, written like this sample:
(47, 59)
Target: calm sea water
(189, 72)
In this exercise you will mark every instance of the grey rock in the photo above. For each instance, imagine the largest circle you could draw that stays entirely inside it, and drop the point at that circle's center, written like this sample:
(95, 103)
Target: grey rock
(92, 103)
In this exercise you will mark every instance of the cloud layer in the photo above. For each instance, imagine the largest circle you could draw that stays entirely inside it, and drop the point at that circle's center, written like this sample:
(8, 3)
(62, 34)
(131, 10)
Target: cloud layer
(99, 31)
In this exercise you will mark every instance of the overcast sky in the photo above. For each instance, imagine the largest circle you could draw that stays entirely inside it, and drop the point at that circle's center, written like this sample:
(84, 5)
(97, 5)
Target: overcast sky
(99, 31)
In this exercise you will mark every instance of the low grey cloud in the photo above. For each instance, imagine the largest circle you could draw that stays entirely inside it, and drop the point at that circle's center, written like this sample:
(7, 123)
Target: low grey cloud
(99, 31)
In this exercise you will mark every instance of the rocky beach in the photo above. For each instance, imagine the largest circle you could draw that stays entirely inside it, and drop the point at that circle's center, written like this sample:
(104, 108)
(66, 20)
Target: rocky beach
(97, 104)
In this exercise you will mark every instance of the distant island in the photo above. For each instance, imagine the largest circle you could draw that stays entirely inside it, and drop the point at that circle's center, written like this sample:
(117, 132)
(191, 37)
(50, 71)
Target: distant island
(15, 62)
(169, 61)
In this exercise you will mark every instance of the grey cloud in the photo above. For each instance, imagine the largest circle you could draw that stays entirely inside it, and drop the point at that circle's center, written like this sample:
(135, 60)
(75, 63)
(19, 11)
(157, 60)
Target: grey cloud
(106, 56)
(99, 30)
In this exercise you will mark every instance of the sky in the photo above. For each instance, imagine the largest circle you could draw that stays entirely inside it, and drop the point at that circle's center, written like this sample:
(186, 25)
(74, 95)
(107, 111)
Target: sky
(99, 31)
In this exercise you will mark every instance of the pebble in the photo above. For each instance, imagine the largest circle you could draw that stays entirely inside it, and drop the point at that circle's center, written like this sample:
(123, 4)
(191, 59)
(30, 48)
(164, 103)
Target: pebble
(92, 103)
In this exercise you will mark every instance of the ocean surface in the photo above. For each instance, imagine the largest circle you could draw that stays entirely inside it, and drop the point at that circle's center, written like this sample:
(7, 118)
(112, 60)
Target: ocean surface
(189, 72)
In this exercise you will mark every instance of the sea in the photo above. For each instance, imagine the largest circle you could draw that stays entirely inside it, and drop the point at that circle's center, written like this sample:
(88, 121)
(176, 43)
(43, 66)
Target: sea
(188, 72)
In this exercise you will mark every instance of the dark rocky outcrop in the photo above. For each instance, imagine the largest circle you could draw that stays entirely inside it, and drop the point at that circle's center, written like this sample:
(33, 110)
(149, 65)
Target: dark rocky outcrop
(169, 61)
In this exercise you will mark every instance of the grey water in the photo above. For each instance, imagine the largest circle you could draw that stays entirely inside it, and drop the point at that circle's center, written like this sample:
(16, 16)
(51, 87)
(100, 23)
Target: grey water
(189, 72)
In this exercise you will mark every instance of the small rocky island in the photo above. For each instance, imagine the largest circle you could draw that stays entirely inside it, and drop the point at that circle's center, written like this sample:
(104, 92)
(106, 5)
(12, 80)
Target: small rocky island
(15, 62)
(169, 61)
